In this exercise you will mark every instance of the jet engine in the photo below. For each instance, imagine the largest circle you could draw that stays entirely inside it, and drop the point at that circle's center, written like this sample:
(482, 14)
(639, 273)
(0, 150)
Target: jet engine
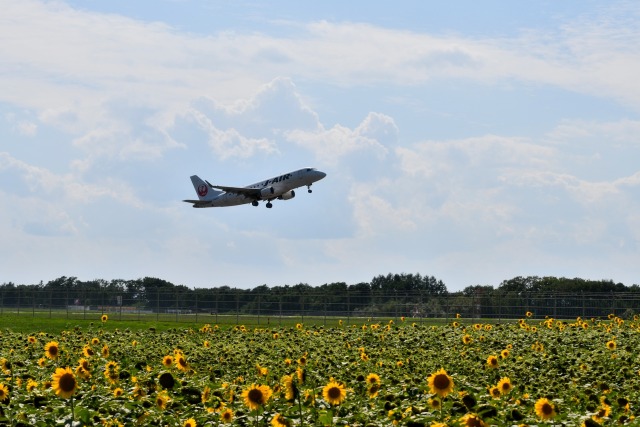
(288, 195)
(266, 192)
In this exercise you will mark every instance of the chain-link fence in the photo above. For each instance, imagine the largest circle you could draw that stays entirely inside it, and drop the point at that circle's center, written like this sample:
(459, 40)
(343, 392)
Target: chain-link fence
(243, 306)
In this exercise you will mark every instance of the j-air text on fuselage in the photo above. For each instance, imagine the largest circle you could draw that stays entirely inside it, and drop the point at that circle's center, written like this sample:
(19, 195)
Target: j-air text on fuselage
(280, 187)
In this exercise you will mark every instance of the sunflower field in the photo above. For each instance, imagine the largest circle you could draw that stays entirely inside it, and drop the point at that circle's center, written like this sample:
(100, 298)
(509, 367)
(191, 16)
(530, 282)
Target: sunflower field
(583, 372)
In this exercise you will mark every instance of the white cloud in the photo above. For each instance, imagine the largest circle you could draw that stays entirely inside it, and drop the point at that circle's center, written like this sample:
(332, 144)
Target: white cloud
(373, 135)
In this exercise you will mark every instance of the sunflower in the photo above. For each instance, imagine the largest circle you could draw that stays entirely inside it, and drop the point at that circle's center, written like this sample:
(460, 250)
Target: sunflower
(4, 392)
(111, 370)
(190, 423)
(95, 341)
(64, 382)
(435, 404)
(492, 361)
(440, 383)
(52, 350)
(256, 395)
(373, 390)
(373, 379)
(31, 385)
(466, 339)
(611, 345)
(105, 351)
(117, 392)
(528, 314)
(262, 371)
(82, 372)
(181, 362)
(545, 409)
(334, 393)
(494, 392)
(166, 380)
(279, 420)
(206, 394)
(161, 400)
(301, 374)
(84, 363)
(504, 353)
(31, 339)
(88, 351)
(472, 420)
(226, 416)
(104, 318)
(167, 361)
(504, 385)
(290, 389)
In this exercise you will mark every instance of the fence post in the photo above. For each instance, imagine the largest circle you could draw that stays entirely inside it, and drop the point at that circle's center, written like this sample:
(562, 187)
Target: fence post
(237, 306)
(325, 296)
(18, 301)
(196, 295)
(302, 307)
(348, 307)
(259, 300)
(157, 304)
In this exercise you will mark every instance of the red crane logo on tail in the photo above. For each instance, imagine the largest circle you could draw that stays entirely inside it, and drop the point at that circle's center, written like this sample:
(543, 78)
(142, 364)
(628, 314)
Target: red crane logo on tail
(202, 190)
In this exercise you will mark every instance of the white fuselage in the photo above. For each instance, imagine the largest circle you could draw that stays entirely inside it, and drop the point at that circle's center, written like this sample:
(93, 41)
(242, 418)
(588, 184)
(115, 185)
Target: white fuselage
(273, 188)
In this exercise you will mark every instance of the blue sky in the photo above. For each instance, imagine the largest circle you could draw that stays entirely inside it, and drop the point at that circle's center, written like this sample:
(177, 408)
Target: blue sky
(470, 141)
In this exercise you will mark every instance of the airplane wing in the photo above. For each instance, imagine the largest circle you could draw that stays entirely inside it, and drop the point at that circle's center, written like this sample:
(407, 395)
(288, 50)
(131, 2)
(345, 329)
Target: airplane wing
(253, 193)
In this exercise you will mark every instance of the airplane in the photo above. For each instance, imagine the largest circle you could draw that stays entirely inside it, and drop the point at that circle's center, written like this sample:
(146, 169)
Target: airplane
(279, 187)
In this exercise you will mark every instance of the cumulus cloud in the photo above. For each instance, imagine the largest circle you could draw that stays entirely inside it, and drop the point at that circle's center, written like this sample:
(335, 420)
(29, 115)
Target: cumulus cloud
(375, 133)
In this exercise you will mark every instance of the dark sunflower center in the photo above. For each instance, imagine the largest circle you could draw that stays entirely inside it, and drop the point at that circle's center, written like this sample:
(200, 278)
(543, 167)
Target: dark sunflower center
(53, 350)
(333, 393)
(166, 380)
(67, 383)
(441, 382)
(547, 409)
(255, 395)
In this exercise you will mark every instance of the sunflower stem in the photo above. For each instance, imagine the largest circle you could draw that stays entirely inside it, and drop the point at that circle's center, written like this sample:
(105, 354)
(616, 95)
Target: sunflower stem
(73, 415)
(300, 410)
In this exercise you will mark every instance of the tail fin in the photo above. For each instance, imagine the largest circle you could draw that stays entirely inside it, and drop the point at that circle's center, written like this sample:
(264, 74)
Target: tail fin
(203, 189)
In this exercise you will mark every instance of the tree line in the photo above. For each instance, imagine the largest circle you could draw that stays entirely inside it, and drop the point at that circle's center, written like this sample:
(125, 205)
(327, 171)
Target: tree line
(412, 295)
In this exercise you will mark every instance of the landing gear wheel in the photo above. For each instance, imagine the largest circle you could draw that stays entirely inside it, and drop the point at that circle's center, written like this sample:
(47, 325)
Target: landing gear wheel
(309, 188)
(269, 205)
(254, 203)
